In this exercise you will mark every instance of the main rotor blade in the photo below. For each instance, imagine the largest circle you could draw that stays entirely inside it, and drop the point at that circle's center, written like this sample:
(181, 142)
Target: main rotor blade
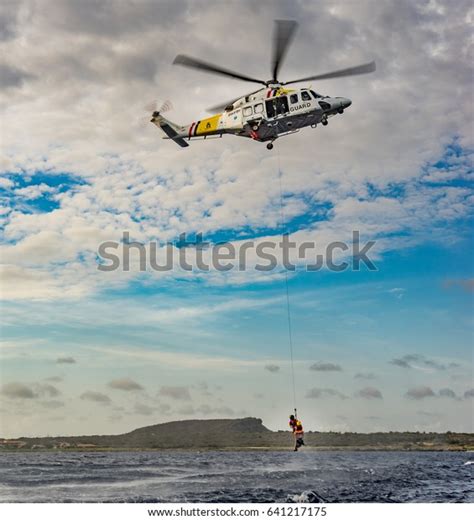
(193, 63)
(282, 37)
(351, 71)
(221, 106)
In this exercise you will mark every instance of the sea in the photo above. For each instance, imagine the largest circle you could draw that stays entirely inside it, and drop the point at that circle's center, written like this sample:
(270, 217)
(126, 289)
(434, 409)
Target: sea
(243, 476)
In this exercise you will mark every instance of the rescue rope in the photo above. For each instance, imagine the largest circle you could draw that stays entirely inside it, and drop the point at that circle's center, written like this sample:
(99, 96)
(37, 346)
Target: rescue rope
(288, 306)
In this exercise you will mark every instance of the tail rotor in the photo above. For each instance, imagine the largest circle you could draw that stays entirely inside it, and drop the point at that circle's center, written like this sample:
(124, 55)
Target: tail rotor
(154, 108)
(157, 108)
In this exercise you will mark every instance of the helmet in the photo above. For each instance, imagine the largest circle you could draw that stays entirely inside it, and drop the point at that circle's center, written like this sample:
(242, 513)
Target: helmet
(292, 417)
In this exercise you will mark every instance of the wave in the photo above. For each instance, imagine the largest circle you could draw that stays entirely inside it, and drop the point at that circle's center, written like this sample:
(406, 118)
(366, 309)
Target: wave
(307, 497)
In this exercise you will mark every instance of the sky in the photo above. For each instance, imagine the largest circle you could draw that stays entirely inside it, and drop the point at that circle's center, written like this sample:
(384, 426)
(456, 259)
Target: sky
(85, 351)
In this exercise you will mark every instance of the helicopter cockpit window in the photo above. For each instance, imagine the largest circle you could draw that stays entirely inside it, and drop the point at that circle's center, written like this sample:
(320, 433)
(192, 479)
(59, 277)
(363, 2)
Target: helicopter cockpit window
(294, 98)
(258, 109)
(305, 96)
(247, 111)
(315, 94)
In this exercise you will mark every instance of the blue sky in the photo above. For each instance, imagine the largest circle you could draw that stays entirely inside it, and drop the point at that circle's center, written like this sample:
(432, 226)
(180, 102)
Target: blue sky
(418, 302)
(85, 351)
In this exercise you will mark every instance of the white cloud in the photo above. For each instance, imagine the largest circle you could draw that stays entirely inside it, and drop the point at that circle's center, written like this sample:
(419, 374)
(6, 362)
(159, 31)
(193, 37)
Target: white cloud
(66, 360)
(180, 393)
(320, 366)
(96, 397)
(321, 393)
(369, 392)
(272, 368)
(6, 183)
(420, 392)
(34, 191)
(17, 391)
(125, 384)
(143, 409)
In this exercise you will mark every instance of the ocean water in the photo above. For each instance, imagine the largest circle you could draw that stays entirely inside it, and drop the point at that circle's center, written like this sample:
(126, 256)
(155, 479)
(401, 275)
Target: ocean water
(247, 476)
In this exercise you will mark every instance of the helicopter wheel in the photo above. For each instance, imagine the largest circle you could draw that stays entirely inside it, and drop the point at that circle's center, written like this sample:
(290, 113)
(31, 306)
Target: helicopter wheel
(340, 111)
(270, 146)
(324, 122)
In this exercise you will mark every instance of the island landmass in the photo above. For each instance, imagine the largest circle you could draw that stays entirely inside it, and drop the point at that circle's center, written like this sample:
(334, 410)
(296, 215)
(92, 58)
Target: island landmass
(241, 434)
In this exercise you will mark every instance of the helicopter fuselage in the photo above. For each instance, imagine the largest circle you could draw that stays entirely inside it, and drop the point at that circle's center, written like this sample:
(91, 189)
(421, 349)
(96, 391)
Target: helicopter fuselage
(263, 116)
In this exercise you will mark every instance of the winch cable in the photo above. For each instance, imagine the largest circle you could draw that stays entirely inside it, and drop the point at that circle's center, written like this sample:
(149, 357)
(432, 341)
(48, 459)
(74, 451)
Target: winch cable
(288, 306)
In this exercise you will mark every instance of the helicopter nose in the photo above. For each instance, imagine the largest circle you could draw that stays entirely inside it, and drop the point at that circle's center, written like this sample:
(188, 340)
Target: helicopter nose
(346, 102)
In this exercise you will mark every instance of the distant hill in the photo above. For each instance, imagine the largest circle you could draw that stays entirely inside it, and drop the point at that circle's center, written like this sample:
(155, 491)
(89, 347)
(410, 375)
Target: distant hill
(241, 434)
(219, 433)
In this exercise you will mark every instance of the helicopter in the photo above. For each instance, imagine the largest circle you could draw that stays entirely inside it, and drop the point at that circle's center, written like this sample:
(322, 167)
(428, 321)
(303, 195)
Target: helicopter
(272, 111)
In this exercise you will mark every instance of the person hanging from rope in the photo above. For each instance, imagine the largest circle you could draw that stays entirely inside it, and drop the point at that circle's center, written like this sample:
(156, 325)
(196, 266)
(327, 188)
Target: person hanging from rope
(298, 432)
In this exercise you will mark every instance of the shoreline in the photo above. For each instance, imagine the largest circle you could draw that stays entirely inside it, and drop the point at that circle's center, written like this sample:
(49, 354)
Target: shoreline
(388, 449)
(236, 435)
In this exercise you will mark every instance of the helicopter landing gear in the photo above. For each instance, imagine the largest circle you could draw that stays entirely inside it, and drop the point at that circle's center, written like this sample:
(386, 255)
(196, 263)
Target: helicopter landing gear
(324, 122)
(340, 111)
(270, 144)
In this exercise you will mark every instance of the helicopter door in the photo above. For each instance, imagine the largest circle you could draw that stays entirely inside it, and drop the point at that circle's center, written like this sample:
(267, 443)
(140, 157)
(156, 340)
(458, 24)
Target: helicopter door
(277, 106)
(253, 115)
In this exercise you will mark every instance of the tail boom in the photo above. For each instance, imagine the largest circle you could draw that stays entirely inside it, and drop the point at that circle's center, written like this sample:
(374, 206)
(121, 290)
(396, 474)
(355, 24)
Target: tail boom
(172, 130)
(180, 134)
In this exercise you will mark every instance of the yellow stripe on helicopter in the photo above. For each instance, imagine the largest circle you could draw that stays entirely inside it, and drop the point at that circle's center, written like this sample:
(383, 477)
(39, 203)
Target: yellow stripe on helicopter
(208, 125)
